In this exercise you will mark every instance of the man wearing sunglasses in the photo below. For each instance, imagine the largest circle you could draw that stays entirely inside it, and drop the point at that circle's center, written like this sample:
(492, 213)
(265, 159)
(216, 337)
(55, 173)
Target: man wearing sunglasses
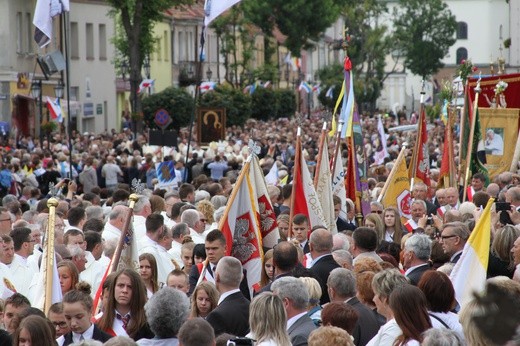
(453, 238)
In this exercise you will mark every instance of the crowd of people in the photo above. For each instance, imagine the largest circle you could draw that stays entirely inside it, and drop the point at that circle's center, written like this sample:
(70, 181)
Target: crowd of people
(377, 281)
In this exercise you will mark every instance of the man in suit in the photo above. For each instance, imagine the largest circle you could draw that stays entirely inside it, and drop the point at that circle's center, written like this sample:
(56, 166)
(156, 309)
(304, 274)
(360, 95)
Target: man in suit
(323, 263)
(285, 259)
(232, 312)
(416, 257)
(420, 192)
(300, 230)
(216, 248)
(296, 299)
(342, 288)
(364, 244)
(341, 224)
(453, 238)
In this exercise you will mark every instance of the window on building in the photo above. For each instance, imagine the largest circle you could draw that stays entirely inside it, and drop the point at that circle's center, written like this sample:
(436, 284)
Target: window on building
(74, 41)
(165, 42)
(462, 31)
(172, 44)
(29, 32)
(102, 41)
(90, 41)
(500, 31)
(462, 54)
(182, 49)
(19, 32)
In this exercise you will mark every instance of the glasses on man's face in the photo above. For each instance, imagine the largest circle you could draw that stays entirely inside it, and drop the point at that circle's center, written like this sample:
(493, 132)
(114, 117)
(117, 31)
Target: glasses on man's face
(377, 212)
(60, 325)
(443, 237)
(204, 220)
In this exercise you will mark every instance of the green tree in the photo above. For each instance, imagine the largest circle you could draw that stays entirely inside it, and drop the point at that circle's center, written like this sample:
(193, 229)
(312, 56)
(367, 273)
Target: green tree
(368, 48)
(136, 18)
(177, 102)
(236, 103)
(301, 21)
(235, 34)
(424, 30)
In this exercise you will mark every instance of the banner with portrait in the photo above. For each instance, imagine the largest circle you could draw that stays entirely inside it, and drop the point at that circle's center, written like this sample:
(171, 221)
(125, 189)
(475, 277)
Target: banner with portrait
(211, 125)
(499, 128)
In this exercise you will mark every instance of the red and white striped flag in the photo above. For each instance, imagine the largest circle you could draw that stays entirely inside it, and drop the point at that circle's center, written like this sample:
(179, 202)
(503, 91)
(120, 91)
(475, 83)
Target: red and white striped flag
(145, 84)
(54, 108)
(411, 225)
(241, 228)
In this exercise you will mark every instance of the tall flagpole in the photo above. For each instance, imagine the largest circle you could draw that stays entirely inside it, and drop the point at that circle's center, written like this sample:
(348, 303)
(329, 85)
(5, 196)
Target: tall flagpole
(470, 144)
(66, 47)
(417, 147)
(296, 168)
(320, 150)
(52, 203)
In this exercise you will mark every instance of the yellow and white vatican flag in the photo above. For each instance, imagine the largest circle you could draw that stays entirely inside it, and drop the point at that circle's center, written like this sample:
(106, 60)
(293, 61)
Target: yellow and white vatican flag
(266, 215)
(469, 274)
(396, 191)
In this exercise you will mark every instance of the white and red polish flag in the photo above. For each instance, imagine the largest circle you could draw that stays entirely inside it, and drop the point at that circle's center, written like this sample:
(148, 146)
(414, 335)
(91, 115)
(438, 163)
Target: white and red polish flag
(241, 227)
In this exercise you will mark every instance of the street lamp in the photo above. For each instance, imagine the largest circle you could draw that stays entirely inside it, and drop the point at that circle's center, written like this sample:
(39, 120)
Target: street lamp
(146, 66)
(124, 69)
(209, 73)
(36, 93)
(58, 90)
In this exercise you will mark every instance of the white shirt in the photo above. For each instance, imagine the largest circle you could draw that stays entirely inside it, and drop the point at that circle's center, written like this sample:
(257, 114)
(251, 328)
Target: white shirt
(198, 238)
(87, 334)
(139, 226)
(386, 334)
(117, 326)
(175, 252)
(293, 319)
(5, 281)
(167, 221)
(227, 294)
(111, 232)
(93, 273)
(22, 274)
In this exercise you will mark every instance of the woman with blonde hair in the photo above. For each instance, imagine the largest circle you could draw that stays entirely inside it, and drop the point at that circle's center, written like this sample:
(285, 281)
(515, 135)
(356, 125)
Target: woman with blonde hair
(374, 221)
(207, 209)
(68, 275)
(266, 276)
(314, 307)
(501, 258)
(268, 321)
(204, 299)
(283, 221)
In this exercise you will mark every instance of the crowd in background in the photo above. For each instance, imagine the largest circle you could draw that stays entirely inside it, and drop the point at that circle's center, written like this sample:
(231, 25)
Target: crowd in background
(375, 282)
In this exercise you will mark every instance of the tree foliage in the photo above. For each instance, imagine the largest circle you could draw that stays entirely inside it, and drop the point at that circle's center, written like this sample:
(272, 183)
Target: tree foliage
(177, 102)
(425, 30)
(236, 103)
(301, 21)
(236, 35)
(137, 18)
(368, 47)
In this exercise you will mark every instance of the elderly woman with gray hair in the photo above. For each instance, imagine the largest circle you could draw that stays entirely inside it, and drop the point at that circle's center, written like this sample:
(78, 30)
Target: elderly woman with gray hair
(166, 311)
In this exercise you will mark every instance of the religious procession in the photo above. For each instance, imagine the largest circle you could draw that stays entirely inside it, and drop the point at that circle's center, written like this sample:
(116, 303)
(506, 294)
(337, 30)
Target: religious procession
(339, 221)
